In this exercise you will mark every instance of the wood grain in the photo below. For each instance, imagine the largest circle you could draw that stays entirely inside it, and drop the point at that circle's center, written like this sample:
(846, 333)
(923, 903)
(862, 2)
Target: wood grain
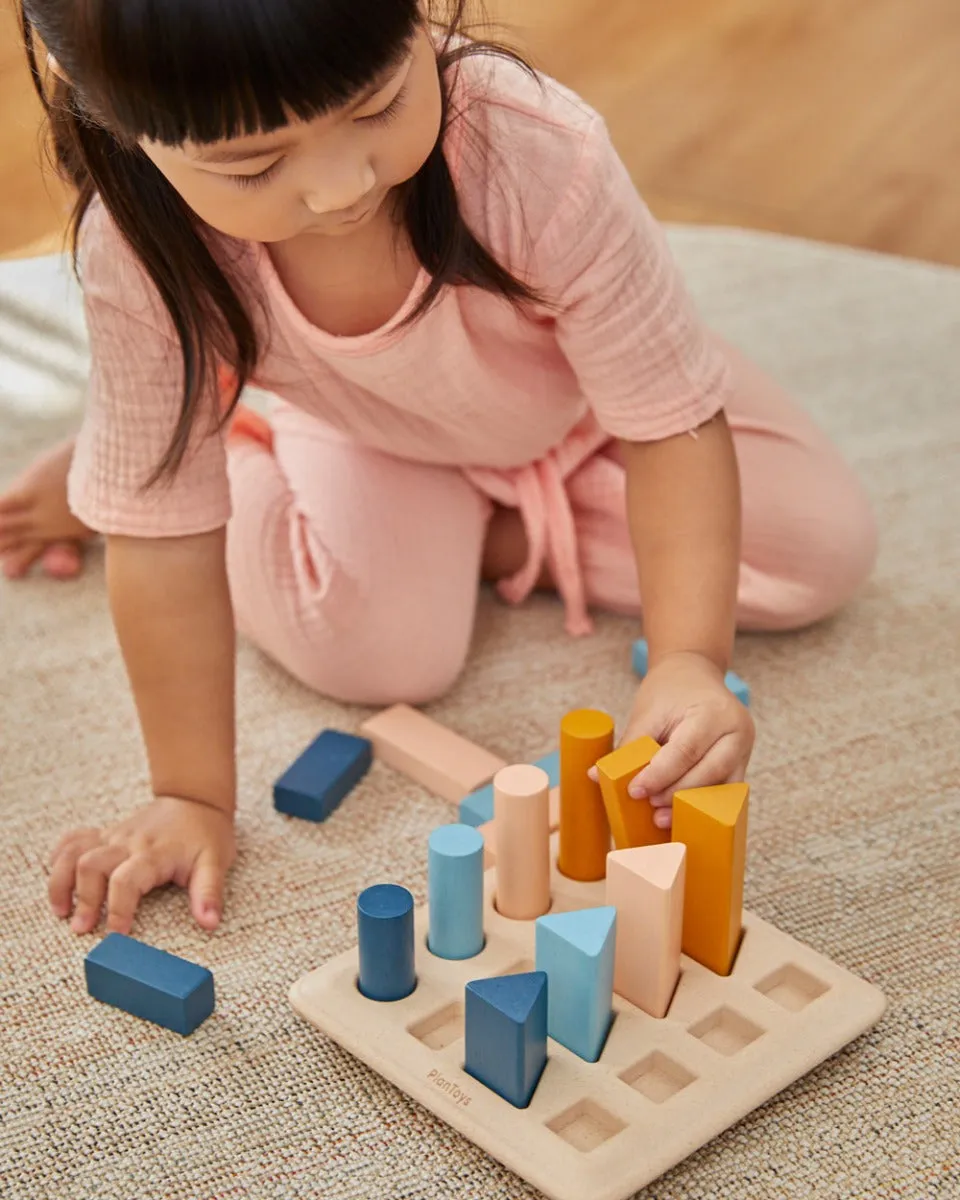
(830, 119)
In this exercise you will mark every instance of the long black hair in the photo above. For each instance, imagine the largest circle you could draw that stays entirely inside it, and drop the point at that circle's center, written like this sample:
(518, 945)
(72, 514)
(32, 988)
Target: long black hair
(202, 70)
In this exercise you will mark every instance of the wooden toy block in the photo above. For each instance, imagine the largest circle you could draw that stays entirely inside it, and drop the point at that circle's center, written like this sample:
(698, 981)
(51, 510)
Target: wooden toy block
(149, 983)
(455, 873)
(522, 816)
(331, 766)
(660, 1089)
(712, 824)
(586, 736)
(641, 664)
(432, 755)
(385, 943)
(646, 886)
(488, 829)
(489, 832)
(477, 808)
(576, 952)
(505, 1034)
(631, 821)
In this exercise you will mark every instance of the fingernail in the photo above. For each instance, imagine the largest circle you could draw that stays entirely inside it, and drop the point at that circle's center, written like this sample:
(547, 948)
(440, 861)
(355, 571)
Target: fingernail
(663, 818)
(636, 790)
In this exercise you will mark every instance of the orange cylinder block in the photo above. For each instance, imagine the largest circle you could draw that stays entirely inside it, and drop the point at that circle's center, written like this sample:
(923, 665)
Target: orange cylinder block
(586, 735)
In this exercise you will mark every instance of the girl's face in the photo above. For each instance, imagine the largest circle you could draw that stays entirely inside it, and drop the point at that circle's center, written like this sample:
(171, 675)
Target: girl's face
(327, 176)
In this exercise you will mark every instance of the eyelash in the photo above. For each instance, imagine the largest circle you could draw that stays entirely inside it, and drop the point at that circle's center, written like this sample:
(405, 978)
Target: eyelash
(390, 113)
(254, 181)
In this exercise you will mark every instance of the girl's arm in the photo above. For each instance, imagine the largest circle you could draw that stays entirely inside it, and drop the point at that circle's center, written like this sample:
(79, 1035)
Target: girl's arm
(174, 620)
(683, 506)
(683, 502)
(172, 611)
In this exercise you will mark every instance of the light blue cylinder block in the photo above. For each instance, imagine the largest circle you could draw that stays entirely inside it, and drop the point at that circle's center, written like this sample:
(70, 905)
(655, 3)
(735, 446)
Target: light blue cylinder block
(456, 892)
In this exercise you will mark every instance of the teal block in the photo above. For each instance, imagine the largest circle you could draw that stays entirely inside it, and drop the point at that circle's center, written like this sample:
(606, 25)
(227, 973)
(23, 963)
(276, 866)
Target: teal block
(477, 808)
(738, 687)
(455, 892)
(551, 764)
(575, 950)
(505, 1036)
(641, 664)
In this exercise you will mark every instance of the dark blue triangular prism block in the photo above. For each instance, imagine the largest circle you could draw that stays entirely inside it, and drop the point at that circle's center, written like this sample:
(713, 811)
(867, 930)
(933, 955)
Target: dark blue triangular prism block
(506, 1034)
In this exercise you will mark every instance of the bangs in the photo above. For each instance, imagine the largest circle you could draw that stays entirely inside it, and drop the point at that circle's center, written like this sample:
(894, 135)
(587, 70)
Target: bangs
(204, 70)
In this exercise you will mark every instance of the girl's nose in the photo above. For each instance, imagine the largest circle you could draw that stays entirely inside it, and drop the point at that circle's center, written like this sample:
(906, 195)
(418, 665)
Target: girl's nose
(335, 196)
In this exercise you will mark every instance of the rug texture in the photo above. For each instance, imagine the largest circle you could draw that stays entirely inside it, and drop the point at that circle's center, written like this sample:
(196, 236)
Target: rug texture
(853, 843)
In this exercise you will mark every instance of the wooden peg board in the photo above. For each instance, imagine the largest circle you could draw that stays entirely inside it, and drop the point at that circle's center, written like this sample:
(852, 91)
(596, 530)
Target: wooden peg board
(662, 1089)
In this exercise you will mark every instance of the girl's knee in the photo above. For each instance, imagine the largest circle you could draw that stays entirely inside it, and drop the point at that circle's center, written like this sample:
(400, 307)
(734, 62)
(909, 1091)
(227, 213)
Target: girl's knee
(383, 679)
(832, 555)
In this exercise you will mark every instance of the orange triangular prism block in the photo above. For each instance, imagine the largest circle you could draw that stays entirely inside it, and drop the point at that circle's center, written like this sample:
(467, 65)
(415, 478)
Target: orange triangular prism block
(712, 823)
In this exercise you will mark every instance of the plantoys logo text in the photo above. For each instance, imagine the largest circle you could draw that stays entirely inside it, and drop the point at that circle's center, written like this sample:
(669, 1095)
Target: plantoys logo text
(449, 1087)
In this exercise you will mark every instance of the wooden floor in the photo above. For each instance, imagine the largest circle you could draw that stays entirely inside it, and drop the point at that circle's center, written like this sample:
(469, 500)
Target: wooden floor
(829, 119)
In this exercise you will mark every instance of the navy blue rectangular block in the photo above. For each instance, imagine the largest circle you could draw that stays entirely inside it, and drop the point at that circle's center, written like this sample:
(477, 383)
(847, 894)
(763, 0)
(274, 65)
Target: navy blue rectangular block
(331, 767)
(149, 983)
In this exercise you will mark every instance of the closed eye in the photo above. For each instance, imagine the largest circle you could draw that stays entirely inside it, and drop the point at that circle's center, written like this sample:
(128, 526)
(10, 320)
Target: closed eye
(388, 114)
(258, 180)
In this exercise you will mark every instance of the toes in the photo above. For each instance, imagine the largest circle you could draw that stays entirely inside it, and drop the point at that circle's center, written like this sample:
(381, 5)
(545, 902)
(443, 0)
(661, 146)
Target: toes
(17, 562)
(62, 560)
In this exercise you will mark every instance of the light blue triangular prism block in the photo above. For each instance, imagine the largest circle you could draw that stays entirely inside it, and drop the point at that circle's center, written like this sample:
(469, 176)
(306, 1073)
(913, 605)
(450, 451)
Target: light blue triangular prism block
(576, 951)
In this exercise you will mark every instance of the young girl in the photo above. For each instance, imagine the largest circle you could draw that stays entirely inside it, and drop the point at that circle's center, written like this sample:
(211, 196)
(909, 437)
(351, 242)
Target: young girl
(487, 368)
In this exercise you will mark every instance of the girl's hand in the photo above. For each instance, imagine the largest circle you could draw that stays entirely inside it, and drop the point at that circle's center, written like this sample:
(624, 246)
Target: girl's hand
(707, 735)
(169, 840)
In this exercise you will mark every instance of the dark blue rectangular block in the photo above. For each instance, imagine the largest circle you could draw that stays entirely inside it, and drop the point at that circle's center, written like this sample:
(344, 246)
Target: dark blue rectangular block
(331, 767)
(149, 983)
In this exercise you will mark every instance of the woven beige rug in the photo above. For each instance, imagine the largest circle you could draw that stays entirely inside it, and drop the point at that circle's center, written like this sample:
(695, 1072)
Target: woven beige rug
(853, 836)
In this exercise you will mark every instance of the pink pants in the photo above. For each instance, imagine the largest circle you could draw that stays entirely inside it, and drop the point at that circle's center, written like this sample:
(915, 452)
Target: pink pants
(358, 572)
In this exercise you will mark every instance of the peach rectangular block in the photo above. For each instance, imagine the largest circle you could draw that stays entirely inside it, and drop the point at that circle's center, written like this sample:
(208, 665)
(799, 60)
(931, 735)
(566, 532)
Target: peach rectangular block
(586, 735)
(631, 821)
(432, 755)
(645, 885)
(712, 823)
(521, 810)
(488, 829)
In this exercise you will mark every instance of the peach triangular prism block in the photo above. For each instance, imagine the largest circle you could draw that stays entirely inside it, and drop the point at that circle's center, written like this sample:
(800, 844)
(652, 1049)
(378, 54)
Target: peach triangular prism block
(645, 884)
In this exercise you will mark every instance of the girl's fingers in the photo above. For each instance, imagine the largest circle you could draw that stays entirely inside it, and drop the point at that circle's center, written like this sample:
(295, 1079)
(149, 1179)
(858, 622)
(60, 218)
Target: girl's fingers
(206, 890)
(721, 764)
(93, 873)
(687, 745)
(15, 502)
(129, 883)
(63, 868)
(663, 818)
(17, 562)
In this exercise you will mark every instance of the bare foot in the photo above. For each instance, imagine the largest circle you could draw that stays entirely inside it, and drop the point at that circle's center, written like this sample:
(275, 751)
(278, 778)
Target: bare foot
(35, 523)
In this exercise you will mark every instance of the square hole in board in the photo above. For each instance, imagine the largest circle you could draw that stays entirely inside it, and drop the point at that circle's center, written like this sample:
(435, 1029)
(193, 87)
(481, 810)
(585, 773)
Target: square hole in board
(657, 1077)
(440, 1028)
(726, 1031)
(791, 987)
(586, 1125)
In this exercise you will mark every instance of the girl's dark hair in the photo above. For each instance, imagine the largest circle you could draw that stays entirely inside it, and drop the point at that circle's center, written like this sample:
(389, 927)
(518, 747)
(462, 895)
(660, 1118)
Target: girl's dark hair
(202, 70)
